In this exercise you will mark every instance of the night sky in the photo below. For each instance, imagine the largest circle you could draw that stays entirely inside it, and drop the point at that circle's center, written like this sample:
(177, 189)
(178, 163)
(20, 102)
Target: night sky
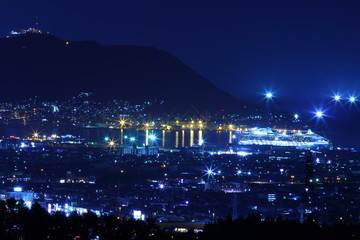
(302, 51)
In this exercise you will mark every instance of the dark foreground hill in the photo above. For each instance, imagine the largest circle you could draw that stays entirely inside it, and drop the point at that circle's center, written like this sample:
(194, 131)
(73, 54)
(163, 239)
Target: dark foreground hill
(53, 68)
(19, 222)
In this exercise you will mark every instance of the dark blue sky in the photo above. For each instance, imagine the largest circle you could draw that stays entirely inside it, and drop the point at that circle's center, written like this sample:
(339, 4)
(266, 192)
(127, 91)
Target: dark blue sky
(293, 47)
(299, 49)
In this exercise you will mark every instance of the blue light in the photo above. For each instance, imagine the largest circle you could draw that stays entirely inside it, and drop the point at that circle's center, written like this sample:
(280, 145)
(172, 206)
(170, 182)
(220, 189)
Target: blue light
(352, 99)
(337, 97)
(268, 95)
(319, 114)
(210, 172)
(296, 116)
(132, 139)
(152, 137)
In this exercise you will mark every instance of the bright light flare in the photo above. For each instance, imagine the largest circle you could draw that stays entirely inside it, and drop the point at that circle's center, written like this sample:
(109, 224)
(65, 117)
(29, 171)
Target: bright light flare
(152, 137)
(112, 143)
(352, 99)
(296, 116)
(269, 95)
(122, 122)
(210, 172)
(337, 97)
(17, 189)
(319, 114)
(36, 134)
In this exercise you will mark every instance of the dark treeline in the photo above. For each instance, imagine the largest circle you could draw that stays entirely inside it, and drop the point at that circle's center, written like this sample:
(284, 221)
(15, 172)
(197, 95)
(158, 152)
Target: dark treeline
(254, 227)
(19, 222)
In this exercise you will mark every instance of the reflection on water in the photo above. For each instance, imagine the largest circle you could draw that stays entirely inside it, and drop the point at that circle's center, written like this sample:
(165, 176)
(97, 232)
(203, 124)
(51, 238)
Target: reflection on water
(163, 138)
(191, 137)
(200, 141)
(183, 138)
(121, 136)
(147, 137)
(176, 139)
(169, 138)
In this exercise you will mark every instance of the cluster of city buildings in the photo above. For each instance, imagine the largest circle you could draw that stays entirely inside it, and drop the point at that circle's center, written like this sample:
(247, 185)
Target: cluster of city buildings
(187, 179)
(196, 184)
(84, 110)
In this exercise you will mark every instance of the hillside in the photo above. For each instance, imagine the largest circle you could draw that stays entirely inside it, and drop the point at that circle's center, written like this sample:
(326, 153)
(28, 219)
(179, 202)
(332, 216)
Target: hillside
(53, 68)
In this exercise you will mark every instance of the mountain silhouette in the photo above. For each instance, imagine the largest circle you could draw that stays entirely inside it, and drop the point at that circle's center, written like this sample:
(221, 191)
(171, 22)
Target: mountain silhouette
(36, 64)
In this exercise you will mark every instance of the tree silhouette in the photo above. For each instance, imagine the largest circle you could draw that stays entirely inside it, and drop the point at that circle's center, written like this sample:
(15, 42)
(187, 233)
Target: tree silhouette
(19, 222)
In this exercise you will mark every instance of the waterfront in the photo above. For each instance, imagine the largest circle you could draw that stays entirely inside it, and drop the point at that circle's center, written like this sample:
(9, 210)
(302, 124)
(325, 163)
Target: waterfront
(177, 138)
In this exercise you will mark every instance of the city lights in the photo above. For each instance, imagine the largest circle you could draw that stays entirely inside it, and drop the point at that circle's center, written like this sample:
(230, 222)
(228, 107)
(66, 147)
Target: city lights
(115, 140)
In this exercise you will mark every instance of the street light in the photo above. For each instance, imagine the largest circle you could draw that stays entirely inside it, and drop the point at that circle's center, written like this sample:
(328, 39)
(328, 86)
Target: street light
(269, 99)
(337, 97)
(35, 135)
(210, 172)
(111, 144)
(352, 99)
(269, 95)
(319, 114)
(122, 123)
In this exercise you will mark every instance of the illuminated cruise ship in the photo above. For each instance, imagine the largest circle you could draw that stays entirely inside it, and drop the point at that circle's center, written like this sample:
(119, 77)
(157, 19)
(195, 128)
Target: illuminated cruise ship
(281, 137)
